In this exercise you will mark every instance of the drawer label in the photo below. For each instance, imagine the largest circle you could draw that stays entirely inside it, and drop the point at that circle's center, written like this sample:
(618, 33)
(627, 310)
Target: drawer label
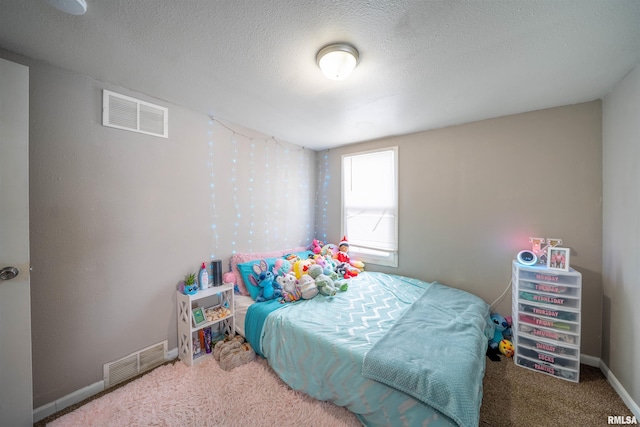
(548, 299)
(546, 277)
(546, 358)
(545, 346)
(543, 322)
(543, 333)
(545, 368)
(548, 288)
(545, 312)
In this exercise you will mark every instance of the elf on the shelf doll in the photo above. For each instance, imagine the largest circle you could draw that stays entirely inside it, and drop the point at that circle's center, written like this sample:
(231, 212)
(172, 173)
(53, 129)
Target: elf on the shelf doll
(343, 251)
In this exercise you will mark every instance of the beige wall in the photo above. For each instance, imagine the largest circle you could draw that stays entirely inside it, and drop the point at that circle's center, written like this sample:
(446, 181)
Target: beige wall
(118, 218)
(621, 234)
(472, 195)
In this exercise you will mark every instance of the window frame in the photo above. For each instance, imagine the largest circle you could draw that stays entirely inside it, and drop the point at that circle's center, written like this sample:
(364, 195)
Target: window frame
(367, 255)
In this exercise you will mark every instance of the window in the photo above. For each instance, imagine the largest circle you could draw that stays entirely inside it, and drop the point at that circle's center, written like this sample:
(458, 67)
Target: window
(370, 205)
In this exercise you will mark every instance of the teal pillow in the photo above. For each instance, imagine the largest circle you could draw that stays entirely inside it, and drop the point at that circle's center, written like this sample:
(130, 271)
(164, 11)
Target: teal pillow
(246, 270)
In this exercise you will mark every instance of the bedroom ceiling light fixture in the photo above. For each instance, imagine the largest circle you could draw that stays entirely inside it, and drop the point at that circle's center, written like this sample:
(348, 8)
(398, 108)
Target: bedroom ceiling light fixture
(337, 60)
(72, 7)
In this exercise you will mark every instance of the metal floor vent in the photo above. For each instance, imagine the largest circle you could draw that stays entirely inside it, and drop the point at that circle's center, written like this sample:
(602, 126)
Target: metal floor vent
(124, 112)
(134, 364)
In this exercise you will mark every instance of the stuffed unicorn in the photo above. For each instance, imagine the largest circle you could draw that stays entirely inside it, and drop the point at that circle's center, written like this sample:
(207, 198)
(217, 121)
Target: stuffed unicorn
(289, 284)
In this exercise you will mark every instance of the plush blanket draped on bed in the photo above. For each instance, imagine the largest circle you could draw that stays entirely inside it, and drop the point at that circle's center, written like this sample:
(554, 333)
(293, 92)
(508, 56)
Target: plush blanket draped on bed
(435, 352)
(254, 322)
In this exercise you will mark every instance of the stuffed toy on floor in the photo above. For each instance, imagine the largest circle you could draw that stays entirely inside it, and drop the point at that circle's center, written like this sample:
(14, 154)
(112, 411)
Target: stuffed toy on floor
(500, 325)
(232, 353)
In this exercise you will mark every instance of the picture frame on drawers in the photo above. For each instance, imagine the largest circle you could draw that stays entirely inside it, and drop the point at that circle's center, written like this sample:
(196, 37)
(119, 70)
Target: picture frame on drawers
(558, 258)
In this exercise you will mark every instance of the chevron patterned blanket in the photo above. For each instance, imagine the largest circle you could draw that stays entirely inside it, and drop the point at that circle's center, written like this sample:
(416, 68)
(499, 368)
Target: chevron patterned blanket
(318, 347)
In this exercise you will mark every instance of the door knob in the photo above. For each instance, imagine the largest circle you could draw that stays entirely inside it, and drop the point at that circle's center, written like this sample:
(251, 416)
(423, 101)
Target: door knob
(8, 273)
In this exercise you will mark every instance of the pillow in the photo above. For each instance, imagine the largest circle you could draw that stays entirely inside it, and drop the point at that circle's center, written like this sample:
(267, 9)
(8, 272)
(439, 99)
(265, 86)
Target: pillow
(246, 269)
(245, 257)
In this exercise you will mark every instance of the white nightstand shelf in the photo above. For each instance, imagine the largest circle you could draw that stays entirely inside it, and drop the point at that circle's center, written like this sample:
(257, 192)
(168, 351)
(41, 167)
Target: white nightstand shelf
(217, 295)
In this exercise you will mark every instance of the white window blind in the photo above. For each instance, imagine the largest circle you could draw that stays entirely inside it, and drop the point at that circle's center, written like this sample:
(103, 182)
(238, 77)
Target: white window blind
(370, 205)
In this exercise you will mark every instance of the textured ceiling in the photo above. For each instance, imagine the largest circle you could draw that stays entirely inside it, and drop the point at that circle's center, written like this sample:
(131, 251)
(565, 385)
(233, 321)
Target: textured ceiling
(423, 64)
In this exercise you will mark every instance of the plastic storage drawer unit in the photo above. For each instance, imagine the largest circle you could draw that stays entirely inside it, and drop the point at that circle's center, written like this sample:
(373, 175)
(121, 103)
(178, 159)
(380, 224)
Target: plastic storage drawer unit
(547, 320)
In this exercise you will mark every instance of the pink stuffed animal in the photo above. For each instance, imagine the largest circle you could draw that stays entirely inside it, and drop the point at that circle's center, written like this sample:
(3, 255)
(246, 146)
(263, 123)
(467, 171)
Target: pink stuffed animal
(316, 246)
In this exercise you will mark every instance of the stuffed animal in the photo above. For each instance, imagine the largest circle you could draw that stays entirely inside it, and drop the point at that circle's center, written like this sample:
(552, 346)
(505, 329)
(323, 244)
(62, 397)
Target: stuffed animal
(328, 271)
(343, 251)
(345, 270)
(326, 286)
(301, 267)
(289, 284)
(500, 325)
(320, 260)
(506, 348)
(314, 270)
(327, 263)
(296, 295)
(507, 334)
(281, 267)
(263, 278)
(307, 286)
(232, 353)
(316, 246)
(357, 264)
(292, 258)
(324, 283)
(329, 249)
(341, 284)
(229, 277)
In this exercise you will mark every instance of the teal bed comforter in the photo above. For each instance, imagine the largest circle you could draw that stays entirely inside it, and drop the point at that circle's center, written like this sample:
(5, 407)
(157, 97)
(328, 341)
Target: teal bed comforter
(319, 347)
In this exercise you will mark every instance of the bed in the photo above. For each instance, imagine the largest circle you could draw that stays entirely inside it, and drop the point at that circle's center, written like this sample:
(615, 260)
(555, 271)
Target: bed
(395, 351)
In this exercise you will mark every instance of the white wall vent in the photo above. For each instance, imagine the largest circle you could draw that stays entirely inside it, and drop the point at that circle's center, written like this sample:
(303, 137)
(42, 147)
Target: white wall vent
(124, 112)
(135, 364)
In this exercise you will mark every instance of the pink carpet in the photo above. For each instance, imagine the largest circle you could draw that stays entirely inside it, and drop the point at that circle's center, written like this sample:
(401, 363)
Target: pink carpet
(205, 395)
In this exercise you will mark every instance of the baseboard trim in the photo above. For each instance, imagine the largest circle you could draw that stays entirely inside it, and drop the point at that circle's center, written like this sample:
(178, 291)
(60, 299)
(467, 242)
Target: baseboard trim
(172, 354)
(626, 398)
(64, 402)
(585, 359)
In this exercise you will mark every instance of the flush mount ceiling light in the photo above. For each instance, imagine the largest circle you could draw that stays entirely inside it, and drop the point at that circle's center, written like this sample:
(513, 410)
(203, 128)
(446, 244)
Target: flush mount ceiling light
(337, 60)
(73, 7)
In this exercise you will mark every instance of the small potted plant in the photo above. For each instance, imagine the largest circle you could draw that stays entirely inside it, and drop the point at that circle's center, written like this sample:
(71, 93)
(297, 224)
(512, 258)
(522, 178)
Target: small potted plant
(189, 285)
